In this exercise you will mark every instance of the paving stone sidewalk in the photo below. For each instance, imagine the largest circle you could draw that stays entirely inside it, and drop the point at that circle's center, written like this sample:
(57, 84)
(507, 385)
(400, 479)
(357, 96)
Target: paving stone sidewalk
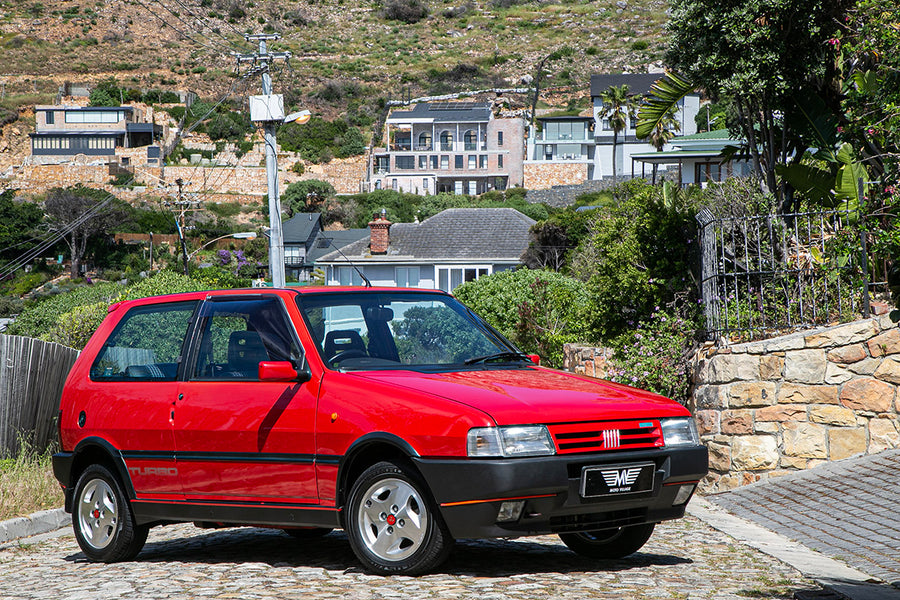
(684, 559)
(849, 510)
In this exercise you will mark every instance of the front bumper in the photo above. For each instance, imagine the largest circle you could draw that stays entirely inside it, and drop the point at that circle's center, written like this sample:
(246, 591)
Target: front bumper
(470, 492)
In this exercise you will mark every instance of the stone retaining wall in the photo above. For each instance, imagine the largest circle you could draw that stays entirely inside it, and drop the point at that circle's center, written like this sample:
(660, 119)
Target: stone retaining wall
(784, 404)
(543, 175)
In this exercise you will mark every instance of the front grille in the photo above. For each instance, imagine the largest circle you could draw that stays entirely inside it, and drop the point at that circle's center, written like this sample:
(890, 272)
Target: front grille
(598, 436)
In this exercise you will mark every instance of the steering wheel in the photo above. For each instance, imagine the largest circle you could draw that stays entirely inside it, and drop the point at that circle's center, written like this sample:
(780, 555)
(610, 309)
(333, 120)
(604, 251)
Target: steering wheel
(345, 354)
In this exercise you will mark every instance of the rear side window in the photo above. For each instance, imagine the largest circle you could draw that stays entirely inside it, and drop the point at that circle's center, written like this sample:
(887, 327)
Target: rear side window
(237, 335)
(146, 345)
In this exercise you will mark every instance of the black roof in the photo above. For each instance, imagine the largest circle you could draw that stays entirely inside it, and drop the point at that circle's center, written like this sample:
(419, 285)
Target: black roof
(301, 228)
(638, 83)
(327, 241)
(446, 112)
(456, 233)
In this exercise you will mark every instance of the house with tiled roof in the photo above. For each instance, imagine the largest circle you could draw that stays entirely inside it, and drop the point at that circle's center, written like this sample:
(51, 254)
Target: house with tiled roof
(305, 242)
(442, 252)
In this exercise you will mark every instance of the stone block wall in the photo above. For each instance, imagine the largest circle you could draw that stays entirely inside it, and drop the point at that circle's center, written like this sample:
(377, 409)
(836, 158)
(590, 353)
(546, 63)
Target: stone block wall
(545, 175)
(784, 404)
(586, 360)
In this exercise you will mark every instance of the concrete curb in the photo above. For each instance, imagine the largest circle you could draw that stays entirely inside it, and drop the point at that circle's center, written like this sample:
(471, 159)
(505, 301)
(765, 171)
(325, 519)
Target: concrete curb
(831, 574)
(34, 524)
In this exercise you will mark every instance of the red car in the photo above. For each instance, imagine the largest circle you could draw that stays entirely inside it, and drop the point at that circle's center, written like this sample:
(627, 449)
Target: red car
(397, 415)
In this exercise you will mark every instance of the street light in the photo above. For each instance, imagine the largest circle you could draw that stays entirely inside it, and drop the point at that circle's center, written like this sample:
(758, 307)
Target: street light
(242, 235)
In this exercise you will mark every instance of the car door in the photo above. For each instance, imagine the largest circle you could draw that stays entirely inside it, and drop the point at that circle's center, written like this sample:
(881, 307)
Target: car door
(239, 438)
(136, 385)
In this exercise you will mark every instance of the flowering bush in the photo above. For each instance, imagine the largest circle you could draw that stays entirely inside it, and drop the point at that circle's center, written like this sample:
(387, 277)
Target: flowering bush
(655, 355)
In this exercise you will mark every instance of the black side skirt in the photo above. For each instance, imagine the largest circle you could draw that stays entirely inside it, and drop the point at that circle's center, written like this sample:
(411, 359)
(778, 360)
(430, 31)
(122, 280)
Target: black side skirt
(237, 514)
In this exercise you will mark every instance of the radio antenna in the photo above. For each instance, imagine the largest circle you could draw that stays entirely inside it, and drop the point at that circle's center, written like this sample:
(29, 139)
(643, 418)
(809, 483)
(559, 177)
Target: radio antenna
(355, 268)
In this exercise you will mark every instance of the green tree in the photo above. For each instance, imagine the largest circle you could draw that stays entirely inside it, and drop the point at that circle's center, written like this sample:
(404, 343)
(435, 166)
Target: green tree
(81, 213)
(618, 108)
(662, 133)
(18, 220)
(306, 195)
(769, 57)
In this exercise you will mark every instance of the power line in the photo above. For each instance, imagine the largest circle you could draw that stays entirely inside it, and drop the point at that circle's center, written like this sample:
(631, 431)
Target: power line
(213, 28)
(180, 32)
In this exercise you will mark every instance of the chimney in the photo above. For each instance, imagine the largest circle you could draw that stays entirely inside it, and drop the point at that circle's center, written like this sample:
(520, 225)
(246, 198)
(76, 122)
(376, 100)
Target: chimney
(380, 237)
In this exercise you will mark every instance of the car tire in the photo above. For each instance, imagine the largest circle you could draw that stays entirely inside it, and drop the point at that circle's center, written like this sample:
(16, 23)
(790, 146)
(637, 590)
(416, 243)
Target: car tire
(609, 543)
(308, 533)
(393, 525)
(102, 519)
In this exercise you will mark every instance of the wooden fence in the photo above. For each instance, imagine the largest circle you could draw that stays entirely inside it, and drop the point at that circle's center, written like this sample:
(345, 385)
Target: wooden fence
(32, 374)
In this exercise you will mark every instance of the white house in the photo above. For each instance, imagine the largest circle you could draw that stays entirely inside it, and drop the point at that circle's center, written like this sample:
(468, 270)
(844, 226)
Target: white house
(442, 252)
(627, 144)
(698, 158)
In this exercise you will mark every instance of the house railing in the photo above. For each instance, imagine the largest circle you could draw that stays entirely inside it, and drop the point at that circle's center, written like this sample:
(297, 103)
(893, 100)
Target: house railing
(764, 274)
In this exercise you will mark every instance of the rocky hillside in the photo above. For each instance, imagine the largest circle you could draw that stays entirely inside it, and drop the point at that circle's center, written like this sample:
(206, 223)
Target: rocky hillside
(344, 52)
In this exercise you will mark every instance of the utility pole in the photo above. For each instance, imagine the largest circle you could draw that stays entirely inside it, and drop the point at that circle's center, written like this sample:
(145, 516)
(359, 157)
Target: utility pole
(269, 110)
(180, 207)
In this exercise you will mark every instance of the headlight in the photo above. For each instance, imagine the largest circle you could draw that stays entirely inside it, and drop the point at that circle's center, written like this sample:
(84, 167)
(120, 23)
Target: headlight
(680, 431)
(528, 440)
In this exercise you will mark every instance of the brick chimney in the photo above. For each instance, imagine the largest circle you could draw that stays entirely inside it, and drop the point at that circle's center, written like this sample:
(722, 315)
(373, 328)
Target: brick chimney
(380, 237)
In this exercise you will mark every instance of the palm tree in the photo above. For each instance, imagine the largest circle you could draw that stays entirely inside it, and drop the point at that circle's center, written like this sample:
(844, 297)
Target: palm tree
(618, 108)
(663, 131)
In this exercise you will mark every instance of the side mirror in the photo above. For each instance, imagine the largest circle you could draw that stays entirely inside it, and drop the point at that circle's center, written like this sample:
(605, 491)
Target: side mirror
(281, 370)
(536, 359)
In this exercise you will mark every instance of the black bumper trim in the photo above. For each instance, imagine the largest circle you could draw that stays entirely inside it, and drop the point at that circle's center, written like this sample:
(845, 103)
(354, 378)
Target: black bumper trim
(470, 492)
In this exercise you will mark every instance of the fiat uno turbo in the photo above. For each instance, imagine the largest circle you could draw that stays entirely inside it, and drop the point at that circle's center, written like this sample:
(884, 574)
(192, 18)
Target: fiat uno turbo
(397, 415)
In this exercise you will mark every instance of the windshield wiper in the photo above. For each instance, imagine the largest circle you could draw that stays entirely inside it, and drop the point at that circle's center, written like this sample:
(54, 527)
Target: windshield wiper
(506, 354)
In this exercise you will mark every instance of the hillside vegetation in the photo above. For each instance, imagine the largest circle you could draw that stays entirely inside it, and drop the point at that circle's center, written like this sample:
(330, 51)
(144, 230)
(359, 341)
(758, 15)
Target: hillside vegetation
(346, 54)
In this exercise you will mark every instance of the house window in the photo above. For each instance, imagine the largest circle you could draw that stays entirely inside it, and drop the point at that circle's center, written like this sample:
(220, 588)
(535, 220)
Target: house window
(446, 140)
(445, 162)
(425, 184)
(482, 161)
(406, 162)
(294, 255)
(499, 138)
(473, 188)
(91, 116)
(424, 141)
(407, 276)
(423, 162)
(473, 164)
(708, 171)
(458, 161)
(382, 164)
(434, 161)
(470, 140)
(458, 188)
(449, 278)
(500, 161)
(49, 117)
(348, 276)
(394, 184)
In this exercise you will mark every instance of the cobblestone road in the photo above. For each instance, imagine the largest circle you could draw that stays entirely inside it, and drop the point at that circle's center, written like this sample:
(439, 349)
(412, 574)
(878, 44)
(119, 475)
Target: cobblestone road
(684, 559)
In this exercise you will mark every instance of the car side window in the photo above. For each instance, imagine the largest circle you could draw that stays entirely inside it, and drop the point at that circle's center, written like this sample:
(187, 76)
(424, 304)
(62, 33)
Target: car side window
(146, 345)
(236, 335)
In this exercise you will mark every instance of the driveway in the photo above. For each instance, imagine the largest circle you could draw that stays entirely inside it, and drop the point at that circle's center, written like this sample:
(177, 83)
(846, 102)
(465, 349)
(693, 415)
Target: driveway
(684, 559)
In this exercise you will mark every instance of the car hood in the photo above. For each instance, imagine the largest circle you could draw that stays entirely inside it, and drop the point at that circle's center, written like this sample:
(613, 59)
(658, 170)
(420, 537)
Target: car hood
(535, 394)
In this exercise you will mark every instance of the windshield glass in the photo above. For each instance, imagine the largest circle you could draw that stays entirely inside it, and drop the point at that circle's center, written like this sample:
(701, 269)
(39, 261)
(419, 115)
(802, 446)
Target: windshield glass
(383, 330)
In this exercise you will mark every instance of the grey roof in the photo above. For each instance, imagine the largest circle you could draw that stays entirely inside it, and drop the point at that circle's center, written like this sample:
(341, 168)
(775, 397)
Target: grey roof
(456, 233)
(301, 228)
(638, 83)
(446, 112)
(338, 239)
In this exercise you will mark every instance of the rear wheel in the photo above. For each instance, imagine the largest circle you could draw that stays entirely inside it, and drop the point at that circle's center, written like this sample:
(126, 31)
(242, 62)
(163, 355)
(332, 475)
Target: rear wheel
(102, 519)
(609, 543)
(393, 526)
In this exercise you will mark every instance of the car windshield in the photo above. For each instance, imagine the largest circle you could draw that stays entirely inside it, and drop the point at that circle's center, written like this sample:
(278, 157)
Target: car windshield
(385, 330)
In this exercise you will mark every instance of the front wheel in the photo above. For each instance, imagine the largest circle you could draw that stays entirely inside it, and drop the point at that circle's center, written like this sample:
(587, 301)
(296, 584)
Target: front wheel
(609, 543)
(102, 519)
(392, 523)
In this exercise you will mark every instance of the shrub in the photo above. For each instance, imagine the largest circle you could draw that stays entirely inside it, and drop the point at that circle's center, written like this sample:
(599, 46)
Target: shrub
(407, 11)
(539, 311)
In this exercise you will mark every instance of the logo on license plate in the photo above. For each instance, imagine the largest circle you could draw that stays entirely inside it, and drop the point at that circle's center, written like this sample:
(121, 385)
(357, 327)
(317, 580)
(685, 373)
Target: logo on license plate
(621, 480)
